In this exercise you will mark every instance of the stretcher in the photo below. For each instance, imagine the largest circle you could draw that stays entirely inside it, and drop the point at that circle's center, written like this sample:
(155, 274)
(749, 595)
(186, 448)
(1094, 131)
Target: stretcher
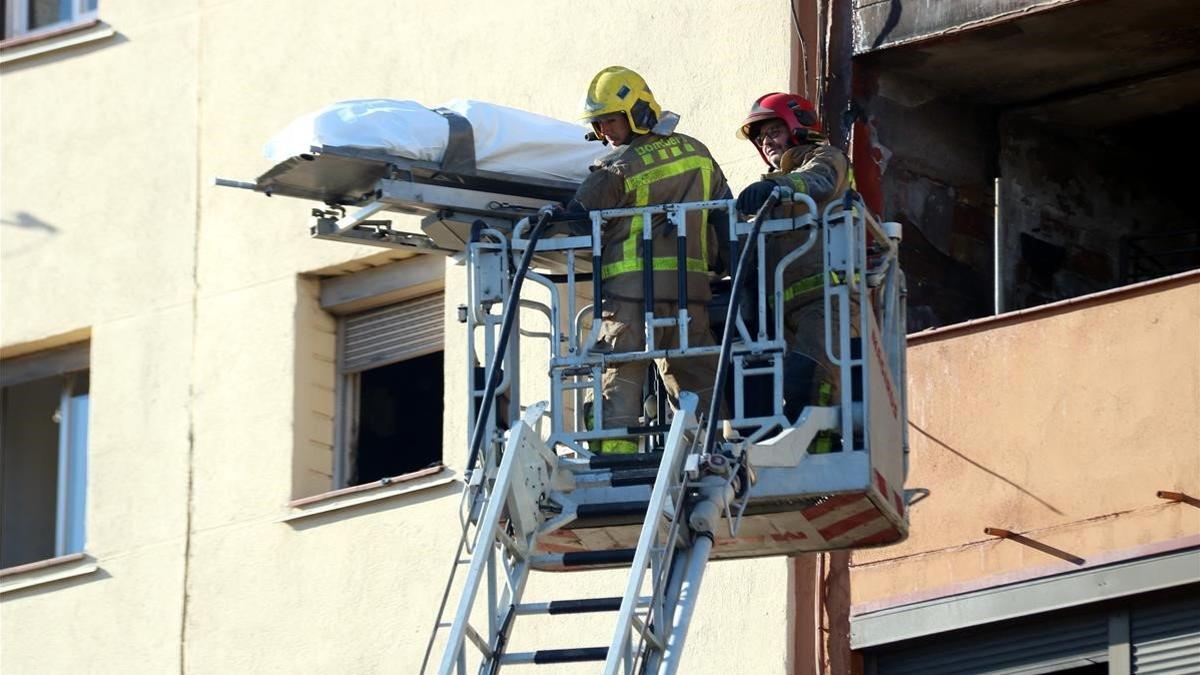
(457, 166)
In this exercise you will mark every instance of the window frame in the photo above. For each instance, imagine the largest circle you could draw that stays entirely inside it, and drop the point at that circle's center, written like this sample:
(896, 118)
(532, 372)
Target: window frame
(16, 20)
(70, 533)
(351, 291)
(68, 363)
(348, 393)
(345, 417)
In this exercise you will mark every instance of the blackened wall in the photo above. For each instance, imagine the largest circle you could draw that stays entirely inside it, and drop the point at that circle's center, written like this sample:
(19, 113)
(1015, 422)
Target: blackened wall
(937, 154)
(1071, 197)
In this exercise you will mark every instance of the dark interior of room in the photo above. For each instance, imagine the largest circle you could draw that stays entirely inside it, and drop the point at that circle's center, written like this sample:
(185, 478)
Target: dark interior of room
(400, 428)
(1083, 114)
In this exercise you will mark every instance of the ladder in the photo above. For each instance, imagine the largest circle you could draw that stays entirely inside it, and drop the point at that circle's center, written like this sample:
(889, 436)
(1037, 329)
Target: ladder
(529, 493)
(691, 492)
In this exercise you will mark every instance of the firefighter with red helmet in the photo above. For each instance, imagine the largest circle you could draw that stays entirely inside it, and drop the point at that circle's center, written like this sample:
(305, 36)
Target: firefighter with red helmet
(787, 134)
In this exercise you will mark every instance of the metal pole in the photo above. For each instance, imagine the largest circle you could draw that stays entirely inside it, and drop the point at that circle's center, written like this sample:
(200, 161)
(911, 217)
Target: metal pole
(506, 326)
(688, 592)
(681, 279)
(668, 472)
(997, 277)
(484, 539)
(64, 465)
(739, 277)
(648, 279)
(225, 182)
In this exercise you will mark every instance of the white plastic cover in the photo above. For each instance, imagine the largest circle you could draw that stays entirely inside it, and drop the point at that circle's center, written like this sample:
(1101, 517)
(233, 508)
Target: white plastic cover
(507, 140)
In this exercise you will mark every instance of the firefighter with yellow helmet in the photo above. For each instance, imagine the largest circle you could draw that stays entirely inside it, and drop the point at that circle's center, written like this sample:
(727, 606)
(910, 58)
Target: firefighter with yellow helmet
(649, 164)
(785, 130)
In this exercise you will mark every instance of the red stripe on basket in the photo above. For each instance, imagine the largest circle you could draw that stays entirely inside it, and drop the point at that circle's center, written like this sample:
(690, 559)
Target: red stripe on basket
(881, 484)
(846, 524)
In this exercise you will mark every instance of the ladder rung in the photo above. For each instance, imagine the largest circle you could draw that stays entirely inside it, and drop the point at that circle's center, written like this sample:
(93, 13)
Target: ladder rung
(610, 557)
(570, 655)
(577, 606)
(625, 461)
(480, 643)
(508, 542)
(609, 509)
(584, 605)
(625, 477)
(543, 656)
(581, 606)
(649, 429)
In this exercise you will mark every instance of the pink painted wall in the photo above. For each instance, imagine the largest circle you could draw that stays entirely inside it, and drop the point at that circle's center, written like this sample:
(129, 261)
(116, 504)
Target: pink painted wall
(1059, 424)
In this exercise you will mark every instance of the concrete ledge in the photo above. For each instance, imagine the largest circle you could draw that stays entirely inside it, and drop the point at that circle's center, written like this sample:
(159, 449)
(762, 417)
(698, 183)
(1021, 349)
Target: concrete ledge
(72, 36)
(357, 495)
(1111, 295)
(1022, 599)
(46, 571)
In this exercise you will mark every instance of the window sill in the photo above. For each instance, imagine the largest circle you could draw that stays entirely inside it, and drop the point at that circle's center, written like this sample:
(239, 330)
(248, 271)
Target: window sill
(388, 488)
(46, 571)
(23, 47)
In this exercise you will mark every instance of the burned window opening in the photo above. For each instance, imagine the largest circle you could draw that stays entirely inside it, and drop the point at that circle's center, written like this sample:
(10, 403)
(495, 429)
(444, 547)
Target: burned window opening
(399, 419)
(1076, 137)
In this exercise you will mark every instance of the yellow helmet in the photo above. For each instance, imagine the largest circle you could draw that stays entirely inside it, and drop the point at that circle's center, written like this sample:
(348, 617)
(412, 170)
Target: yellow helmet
(617, 89)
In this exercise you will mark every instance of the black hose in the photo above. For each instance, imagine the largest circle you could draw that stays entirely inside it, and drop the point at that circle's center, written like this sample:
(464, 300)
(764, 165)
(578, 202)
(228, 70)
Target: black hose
(739, 277)
(510, 312)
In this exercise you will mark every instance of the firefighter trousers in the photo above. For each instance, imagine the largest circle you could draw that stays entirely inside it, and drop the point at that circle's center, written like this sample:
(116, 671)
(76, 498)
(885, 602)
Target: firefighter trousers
(623, 330)
(809, 376)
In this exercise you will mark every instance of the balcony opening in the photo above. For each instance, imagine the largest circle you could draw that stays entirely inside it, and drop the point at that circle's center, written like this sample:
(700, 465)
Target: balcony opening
(1074, 117)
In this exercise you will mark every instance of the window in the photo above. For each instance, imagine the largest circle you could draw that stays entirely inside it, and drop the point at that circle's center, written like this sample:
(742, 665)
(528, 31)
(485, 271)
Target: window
(390, 384)
(43, 454)
(370, 378)
(34, 17)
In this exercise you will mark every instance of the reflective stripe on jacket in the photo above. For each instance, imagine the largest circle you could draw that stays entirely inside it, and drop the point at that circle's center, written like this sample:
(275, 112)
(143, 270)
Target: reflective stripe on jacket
(651, 170)
(822, 172)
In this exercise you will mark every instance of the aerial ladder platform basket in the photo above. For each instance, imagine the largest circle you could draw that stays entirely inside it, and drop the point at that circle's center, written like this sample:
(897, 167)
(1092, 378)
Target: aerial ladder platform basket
(536, 498)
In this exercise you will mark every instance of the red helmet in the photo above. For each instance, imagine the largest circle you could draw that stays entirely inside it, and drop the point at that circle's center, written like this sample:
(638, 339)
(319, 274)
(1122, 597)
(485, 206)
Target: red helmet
(796, 111)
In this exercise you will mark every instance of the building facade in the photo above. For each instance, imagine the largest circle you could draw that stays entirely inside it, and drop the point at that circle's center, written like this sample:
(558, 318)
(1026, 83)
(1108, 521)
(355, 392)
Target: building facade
(1054, 347)
(192, 386)
(197, 396)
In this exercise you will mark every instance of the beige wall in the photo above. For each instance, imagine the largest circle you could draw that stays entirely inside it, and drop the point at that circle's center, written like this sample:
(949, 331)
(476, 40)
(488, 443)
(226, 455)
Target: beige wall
(206, 339)
(98, 150)
(1060, 425)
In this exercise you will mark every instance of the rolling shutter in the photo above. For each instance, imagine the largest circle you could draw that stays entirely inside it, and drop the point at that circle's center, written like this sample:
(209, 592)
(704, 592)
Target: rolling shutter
(1028, 646)
(393, 333)
(1166, 636)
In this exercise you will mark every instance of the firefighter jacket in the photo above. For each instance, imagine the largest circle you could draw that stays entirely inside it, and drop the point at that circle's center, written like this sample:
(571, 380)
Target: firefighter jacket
(821, 171)
(655, 169)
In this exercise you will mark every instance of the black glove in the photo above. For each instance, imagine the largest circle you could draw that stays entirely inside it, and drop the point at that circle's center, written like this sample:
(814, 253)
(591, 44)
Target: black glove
(572, 220)
(550, 210)
(753, 197)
